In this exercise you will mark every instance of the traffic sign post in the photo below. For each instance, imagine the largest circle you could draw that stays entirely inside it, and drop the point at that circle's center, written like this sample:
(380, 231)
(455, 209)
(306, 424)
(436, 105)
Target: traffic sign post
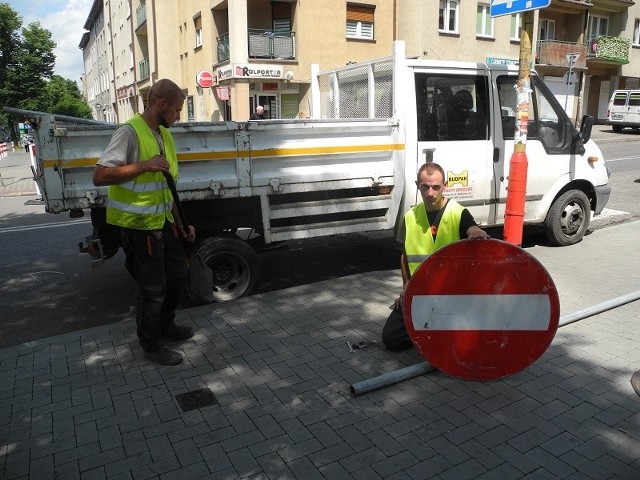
(481, 309)
(572, 58)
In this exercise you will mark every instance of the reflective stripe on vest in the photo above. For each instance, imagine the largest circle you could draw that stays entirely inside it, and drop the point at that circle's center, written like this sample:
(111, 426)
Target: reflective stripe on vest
(145, 202)
(419, 243)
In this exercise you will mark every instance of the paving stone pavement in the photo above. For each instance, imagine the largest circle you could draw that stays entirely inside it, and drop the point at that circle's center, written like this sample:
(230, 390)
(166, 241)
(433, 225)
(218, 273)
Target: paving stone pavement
(87, 405)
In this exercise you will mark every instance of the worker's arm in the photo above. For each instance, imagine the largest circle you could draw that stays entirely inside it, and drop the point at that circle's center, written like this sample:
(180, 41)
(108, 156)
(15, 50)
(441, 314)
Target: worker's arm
(123, 173)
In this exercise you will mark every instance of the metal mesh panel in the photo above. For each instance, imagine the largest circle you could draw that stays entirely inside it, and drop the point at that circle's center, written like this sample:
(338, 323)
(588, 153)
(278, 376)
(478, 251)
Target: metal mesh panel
(345, 93)
(354, 98)
(384, 89)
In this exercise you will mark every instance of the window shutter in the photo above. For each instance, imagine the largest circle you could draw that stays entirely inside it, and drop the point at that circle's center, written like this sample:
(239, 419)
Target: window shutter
(359, 13)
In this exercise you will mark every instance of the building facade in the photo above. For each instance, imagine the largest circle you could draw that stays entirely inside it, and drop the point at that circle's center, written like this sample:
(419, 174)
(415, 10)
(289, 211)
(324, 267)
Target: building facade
(231, 55)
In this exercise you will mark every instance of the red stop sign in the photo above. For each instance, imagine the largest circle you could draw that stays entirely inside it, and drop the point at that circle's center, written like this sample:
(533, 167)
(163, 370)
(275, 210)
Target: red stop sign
(204, 79)
(481, 309)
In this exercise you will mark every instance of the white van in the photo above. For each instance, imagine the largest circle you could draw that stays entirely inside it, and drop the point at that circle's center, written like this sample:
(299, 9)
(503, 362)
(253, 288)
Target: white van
(624, 110)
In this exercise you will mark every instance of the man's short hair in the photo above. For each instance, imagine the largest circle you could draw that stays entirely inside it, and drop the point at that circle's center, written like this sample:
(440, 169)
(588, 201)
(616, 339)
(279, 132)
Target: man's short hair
(431, 168)
(167, 89)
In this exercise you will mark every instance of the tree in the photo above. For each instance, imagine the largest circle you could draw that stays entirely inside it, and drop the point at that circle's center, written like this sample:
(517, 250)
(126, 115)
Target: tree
(63, 97)
(27, 64)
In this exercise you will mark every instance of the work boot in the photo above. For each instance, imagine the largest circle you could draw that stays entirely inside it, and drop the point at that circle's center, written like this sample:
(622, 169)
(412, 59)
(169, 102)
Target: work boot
(162, 355)
(177, 332)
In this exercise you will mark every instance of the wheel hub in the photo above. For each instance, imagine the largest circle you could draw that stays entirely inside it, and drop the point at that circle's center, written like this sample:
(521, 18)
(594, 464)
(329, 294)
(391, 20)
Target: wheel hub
(572, 218)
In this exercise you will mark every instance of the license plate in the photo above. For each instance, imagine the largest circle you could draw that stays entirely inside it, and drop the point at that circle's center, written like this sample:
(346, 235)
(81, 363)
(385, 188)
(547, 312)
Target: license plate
(616, 117)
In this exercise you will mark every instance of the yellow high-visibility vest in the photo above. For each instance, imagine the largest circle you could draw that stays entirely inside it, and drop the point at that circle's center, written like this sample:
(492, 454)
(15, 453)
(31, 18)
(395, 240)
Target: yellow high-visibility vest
(145, 202)
(419, 242)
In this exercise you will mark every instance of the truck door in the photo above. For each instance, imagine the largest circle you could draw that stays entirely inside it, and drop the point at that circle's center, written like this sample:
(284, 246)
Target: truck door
(550, 146)
(452, 122)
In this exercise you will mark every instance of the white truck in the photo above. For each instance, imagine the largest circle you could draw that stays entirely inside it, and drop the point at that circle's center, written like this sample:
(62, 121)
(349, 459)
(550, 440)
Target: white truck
(352, 167)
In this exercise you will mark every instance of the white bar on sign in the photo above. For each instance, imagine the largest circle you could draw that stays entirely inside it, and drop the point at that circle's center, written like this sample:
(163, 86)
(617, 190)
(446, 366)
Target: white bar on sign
(481, 312)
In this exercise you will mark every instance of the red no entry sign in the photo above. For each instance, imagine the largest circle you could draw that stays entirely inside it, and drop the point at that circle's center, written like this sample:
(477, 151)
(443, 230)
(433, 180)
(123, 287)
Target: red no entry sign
(481, 309)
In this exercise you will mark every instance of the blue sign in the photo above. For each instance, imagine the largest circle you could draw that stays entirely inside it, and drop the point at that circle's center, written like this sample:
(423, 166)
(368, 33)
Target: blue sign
(508, 7)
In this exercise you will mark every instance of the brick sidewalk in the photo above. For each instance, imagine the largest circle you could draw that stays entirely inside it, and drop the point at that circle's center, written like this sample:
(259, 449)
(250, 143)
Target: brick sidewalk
(87, 405)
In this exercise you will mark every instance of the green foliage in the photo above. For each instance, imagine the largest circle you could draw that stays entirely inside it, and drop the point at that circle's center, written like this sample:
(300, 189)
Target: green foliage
(27, 64)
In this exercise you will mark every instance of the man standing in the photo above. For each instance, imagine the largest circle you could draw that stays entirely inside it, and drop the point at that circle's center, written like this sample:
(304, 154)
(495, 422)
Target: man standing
(258, 114)
(430, 225)
(140, 202)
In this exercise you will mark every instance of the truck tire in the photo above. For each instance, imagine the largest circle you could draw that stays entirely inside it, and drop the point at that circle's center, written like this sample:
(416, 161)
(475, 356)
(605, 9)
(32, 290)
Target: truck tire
(568, 218)
(616, 128)
(235, 266)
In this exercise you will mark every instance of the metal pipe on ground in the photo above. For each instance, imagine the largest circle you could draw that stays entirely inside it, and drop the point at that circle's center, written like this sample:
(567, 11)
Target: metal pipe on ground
(412, 371)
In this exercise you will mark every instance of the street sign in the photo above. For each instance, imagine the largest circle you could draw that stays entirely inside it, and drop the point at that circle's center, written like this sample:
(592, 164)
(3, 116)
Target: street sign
(481, 309)
(508, 7)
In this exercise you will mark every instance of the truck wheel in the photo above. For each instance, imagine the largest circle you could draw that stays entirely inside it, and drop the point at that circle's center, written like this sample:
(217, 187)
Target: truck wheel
(568, 218)
(235, 266)
(617, 128)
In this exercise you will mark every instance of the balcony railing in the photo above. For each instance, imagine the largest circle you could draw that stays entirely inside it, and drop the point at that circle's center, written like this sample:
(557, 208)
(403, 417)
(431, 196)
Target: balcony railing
(143, 69)
(612, 49)
(554, 53)
(268, 44)
(141, 14)
(223, 47)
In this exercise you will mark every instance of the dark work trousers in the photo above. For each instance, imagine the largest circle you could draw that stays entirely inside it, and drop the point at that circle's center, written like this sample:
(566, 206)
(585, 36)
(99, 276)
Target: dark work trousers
(159, 265)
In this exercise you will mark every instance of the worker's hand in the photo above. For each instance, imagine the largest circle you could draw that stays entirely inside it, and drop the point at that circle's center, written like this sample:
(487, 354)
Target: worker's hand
(156, 164)
(190, 234)
(476, 233)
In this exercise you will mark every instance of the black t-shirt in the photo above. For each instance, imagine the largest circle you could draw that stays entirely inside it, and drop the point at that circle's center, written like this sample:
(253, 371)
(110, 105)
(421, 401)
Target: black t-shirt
(466, 221)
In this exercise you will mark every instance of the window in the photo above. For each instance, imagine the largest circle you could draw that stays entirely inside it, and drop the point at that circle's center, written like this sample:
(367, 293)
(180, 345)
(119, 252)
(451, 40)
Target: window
(281, 14)
(484, 22)
(516, 27)
(197, 24)
(191, 111)
(636, 33)
(597, 26)
(451, 107)
(547, 29)
(448, 16)
(547, 121)
(359, 22)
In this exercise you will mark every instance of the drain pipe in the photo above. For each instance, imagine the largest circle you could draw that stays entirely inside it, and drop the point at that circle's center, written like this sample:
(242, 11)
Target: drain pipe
(411, 371)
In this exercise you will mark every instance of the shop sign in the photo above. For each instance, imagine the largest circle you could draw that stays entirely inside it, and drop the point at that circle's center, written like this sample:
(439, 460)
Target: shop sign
(257, 71)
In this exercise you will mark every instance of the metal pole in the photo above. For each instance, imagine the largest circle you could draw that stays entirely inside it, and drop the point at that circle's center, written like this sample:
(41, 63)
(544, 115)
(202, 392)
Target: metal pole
(391, 377)
(599, 308)
(411, 371)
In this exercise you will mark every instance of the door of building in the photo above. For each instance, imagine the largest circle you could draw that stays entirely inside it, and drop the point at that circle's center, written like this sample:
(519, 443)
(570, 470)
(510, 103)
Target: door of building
(269, 102)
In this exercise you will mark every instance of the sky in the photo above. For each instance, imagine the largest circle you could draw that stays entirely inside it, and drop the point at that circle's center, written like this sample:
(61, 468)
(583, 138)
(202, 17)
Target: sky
(65, 20)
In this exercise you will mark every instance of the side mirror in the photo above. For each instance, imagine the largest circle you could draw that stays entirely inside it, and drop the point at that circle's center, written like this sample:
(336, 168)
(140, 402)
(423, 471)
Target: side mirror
(585, 128)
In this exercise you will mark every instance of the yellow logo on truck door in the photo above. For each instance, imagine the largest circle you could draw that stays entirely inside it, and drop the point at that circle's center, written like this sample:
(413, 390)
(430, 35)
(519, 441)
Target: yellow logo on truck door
(458, 185)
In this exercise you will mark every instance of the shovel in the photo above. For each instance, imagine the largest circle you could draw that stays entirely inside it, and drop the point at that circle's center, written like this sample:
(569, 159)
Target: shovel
(200, 276)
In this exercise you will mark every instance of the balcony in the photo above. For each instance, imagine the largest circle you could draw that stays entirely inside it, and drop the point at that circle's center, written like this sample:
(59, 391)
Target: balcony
(141, 14)
(609, 49)
(268, 44)
(223, 47)
(143, 69)
(554, 53)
